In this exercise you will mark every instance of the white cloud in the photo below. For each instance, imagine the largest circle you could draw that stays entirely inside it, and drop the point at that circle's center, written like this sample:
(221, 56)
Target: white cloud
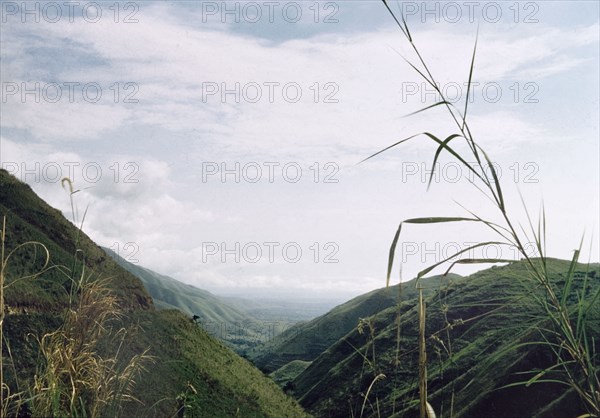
(170, 63)
(169, 212)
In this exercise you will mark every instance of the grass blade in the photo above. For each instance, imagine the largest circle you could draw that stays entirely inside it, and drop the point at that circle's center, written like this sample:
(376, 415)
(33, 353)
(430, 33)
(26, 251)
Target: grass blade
(443, 102)
(456, 155)
(387, 148)
(472, 247)
(469, 82)
(569, 279)
(437, 155)
(478, 261)
(435, 220)
(391, 255)
(396, 19)
(430, 220)
(498, 195)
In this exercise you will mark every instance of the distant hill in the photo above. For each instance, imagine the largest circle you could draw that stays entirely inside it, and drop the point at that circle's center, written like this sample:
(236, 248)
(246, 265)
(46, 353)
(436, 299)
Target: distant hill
(471, 324)
(169, 293)
(284, 309)
(192, 370)
(306, 341)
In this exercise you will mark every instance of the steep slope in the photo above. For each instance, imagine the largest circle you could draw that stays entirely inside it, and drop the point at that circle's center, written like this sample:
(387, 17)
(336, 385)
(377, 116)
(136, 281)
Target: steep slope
(191, 370)
(200, 370)
(306, 341)
(173, 294)
(30, 218)
(286, 374)
(471, 323)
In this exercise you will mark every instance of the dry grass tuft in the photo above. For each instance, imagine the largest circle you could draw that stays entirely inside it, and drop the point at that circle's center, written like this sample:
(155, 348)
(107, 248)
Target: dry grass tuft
(77, 379)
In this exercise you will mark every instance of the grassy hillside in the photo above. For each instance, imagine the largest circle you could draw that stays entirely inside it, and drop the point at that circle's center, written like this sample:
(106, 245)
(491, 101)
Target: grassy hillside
(286, 374)
(306, 341)
(191, 371)
(200, 370)
(30, 218)
(471, 324)
(173, 294)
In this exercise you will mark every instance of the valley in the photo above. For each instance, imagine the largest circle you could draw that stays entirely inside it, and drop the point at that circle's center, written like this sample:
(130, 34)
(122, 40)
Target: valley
(479, 334)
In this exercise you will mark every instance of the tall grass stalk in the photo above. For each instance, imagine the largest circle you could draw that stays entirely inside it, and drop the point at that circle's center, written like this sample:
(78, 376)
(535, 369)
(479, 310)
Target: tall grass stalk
(366, 396)
(422, 358)
(565, 330)
(5, 393)
(2, 239)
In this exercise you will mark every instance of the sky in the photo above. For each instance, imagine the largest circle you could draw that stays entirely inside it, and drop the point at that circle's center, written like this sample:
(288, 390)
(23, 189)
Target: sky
(219, 142)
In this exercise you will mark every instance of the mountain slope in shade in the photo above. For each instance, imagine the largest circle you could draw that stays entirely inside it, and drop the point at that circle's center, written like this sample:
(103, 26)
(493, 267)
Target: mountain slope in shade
(475, 319)
(306, 341)
(189, 363)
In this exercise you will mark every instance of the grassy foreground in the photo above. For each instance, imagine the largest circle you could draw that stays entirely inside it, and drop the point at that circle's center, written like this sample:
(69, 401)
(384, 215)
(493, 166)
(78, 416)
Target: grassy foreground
(481, 335)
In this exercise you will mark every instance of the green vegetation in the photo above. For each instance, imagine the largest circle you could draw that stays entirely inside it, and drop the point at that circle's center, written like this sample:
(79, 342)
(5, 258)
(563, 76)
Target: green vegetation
(484, 316)
(194, 369)
(286, 374)
(83, 371)
(285, 312)
(518, 340)
(306, 341)
(98, 324)
(31, 219)
(239, 330)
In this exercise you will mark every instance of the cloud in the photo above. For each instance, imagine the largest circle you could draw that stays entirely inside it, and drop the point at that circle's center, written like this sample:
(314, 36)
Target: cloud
(354, 94)
(174, 65)
(129, 199)
(55, 122)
